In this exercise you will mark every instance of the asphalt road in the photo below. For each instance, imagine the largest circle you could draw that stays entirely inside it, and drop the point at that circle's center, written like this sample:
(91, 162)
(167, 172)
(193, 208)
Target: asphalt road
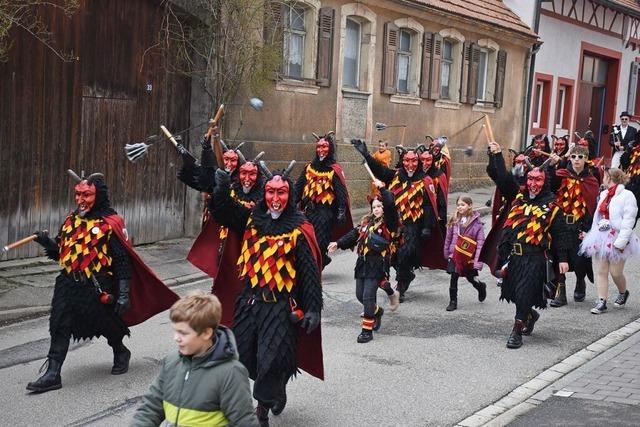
(425, 367)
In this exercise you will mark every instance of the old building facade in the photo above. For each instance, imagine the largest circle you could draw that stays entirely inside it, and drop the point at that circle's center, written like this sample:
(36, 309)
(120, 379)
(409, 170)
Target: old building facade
(434, 66)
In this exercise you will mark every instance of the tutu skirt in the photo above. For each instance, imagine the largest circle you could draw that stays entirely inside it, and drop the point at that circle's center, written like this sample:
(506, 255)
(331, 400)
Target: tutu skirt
(599, 244)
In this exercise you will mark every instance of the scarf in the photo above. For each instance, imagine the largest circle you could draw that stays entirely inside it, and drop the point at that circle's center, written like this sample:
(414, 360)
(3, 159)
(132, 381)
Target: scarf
(604, 206)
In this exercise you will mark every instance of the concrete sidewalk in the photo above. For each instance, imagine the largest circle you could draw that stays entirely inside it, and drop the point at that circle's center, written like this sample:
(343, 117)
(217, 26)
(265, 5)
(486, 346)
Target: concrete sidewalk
(26, 285)
(598, 385)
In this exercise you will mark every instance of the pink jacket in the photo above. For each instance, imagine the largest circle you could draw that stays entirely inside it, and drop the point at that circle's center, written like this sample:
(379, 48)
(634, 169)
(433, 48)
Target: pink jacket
(474, 229)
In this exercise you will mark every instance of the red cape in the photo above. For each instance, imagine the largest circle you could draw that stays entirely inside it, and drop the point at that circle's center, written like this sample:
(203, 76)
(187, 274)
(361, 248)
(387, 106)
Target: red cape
(340, 229)
(589, 186)
(431, 249)
(309, 351)
(147, 294)
(204, 252)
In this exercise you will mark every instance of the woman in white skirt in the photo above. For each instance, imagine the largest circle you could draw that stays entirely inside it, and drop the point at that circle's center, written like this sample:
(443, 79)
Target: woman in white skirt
(611, 240)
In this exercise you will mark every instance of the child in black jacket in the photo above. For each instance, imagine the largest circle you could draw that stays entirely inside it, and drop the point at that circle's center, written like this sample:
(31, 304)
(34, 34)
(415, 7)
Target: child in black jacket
(373, 240)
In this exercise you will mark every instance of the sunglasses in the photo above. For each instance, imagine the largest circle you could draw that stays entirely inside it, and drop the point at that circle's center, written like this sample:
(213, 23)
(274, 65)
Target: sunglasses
(624, 119)
(577, 156)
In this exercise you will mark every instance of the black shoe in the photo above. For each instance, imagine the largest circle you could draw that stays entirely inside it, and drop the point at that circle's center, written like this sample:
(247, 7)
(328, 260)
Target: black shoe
(482, 290)
(621, 300)
(262, 414)
(515, 339)
(600, 307)
(121, 357)
(51, 379)
(532, 318)
(378, 317)
(365, 336)
(452, 305)
(280, 404)
(561, 296)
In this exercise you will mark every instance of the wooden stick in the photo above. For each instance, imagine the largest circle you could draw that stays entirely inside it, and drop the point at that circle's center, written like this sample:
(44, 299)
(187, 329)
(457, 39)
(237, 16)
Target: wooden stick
(486, 133)
(366, 166)
(168, 134)
(20, 242)
(489, 129)
(544, 153)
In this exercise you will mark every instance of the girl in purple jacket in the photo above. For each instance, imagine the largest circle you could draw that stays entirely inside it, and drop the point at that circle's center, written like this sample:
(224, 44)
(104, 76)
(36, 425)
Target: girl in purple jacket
(465, 237)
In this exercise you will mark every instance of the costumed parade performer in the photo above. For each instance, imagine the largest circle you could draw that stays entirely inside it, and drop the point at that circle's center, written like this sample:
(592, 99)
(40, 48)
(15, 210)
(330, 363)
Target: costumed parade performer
(622, 138)
(373, 240)
(436, 178)
(611, 239)
(537, 149)
(321, 193)
(534, 232)
(462, 246)
(103, 288)
(277, 291)
(420, 238)
(630, 164)
(576, 190)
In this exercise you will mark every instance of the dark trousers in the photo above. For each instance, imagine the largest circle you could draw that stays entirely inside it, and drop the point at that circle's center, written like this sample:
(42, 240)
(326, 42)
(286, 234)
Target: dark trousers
(61, 336)
(472, 277)
(522, 312)
(366, 290)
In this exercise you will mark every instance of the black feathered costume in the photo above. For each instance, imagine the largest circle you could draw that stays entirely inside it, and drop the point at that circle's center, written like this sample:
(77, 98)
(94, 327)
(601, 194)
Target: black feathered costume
(278, 271)
(321, 193)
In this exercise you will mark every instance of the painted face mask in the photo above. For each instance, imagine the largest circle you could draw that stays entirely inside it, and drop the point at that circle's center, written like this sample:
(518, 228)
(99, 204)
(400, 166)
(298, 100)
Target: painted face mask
(322, 148)
(230, 159)
(436, 147)
(583, 143)
(85, 197)
(427, 160)
(276, 195)
(410, 162)
(559, 146)
(535, 181)
(248, 175)
(519, 166)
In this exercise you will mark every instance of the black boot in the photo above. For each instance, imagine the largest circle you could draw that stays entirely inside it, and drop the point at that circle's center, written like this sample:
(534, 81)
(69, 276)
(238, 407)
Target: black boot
(263, 415)
(532, 318)
(580, 292)
(481, 287)
(561, 296)
(453, 299)
(278, 407)
(365, 336)
(50, 380)
(515, 339)
(378, 316)
(121, 357)
(401, 288)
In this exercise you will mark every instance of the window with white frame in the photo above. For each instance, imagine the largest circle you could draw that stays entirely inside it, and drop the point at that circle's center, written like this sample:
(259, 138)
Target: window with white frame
(351, 65)
(537, 104)
(404, 61)
(294, 40)
(562, 96)
(482, 75)
(446, 69)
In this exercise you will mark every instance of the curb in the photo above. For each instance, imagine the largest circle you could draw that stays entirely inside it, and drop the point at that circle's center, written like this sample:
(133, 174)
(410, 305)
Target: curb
(16, 315)
(532, 393)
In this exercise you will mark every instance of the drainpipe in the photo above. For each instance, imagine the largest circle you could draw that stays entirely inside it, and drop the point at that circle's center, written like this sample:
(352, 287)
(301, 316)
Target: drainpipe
(531, 59)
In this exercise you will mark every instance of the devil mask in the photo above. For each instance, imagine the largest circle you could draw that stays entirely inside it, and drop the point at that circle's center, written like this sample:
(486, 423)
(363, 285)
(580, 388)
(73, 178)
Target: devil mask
(410, 162)
(519, 166)
(276, 195)
(535, 182)
(559, 146)
(427, 160)
(230, 159)
(248, 174)
(85, 194)
(322, 148)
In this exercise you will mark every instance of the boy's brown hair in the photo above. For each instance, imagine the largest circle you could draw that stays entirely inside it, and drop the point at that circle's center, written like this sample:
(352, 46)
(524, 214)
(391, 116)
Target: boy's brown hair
(199, 310)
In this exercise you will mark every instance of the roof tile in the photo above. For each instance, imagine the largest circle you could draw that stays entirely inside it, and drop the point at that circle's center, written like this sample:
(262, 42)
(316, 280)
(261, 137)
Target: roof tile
(489, 11)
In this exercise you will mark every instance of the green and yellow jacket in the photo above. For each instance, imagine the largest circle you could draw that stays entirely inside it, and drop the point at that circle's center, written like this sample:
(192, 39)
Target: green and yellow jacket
(209, 390)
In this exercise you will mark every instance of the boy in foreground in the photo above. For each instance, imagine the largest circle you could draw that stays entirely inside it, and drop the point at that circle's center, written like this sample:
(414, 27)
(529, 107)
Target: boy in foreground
(203, 383)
